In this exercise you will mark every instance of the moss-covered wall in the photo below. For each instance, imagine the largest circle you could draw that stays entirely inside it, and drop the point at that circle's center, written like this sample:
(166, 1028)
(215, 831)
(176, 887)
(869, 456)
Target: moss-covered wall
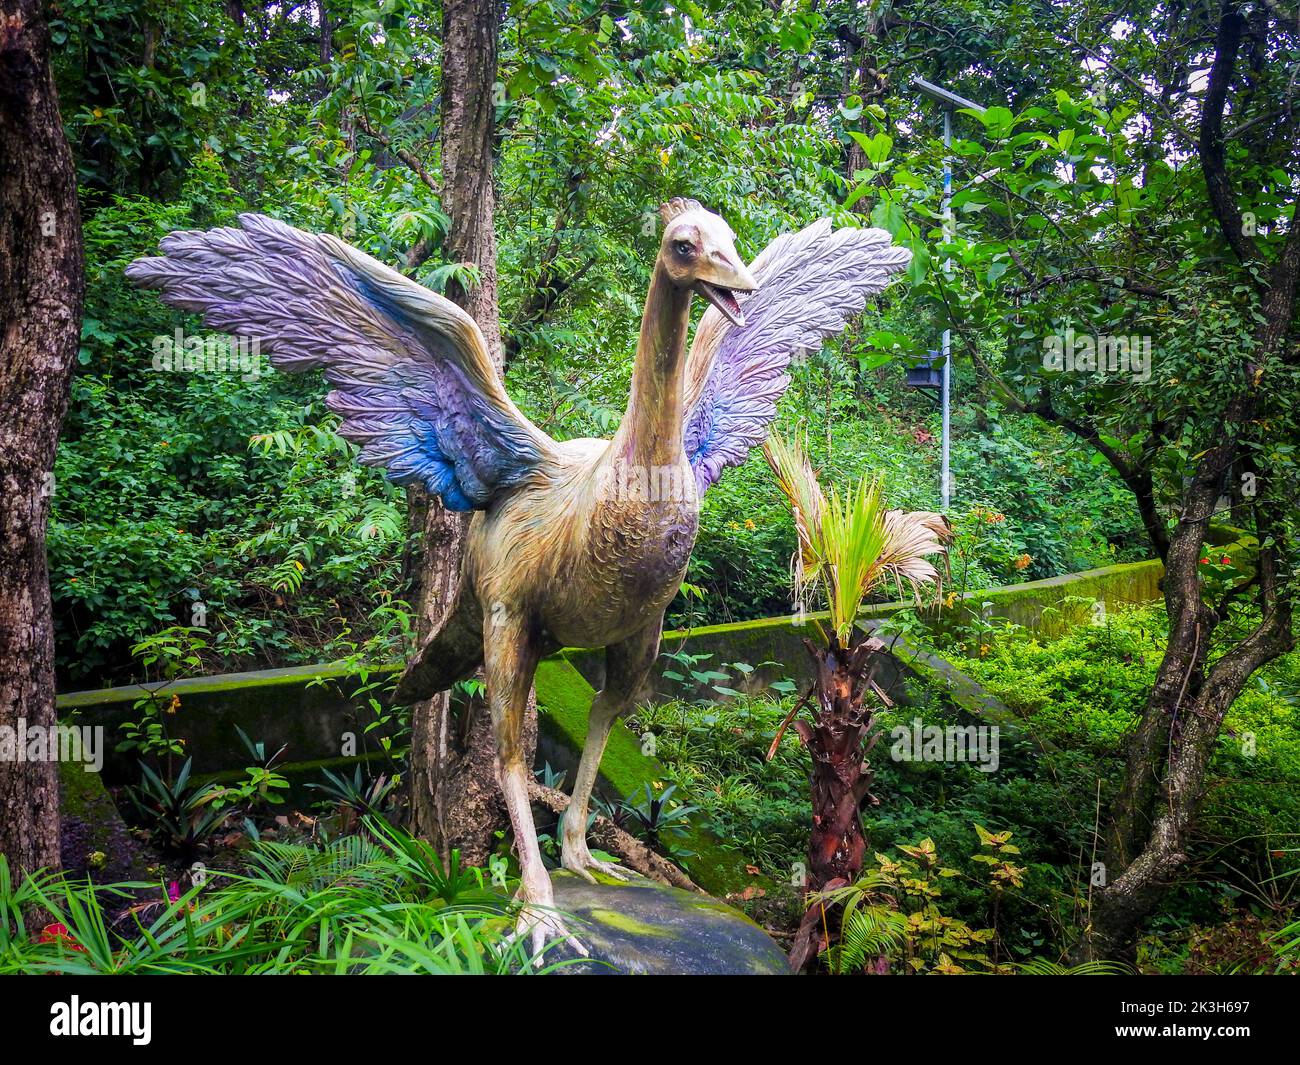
(311, 710)
(774, 646)
(1056, 605)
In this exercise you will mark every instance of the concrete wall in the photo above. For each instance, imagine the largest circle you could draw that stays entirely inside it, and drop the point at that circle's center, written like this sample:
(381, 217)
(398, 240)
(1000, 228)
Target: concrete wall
(311, 709)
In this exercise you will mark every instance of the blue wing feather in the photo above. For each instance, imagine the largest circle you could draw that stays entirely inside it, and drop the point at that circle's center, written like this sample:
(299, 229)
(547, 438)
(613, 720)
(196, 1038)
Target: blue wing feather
(410, 373)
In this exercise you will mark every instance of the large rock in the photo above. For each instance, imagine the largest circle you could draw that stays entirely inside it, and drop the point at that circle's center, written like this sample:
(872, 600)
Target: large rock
(646, 928)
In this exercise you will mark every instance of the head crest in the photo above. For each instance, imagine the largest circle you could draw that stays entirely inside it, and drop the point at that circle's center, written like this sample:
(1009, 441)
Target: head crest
(677, 206)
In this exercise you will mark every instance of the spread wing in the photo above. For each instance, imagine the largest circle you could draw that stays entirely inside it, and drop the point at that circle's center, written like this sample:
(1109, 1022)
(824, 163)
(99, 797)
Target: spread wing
(410, 371)
(811, 283)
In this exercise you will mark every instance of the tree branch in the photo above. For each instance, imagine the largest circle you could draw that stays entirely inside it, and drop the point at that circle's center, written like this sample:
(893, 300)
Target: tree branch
(610, 837)
(404, 154)
(1139, 288)
(1223, 201)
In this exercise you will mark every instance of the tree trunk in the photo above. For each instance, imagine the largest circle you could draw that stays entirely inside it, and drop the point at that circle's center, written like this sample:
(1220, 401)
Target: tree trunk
(326, 32)
(838, 739)
(1161, 795)
(41, 286)
(455, 799)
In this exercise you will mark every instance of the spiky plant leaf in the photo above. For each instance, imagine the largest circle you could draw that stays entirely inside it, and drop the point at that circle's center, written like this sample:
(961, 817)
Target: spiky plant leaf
(849, 544)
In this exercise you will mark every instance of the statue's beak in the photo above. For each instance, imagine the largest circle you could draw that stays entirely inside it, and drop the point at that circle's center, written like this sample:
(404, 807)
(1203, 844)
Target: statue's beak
(724, 276)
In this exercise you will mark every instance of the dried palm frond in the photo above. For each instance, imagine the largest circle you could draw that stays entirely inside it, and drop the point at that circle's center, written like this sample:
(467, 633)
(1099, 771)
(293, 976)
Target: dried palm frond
(912, 536)
(798, 482)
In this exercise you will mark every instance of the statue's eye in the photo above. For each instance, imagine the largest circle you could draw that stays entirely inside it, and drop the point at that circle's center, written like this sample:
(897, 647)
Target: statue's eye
(684, 248)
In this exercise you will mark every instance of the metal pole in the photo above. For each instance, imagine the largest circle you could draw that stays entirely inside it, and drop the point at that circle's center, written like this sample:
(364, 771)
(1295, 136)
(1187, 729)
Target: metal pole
(945, 473)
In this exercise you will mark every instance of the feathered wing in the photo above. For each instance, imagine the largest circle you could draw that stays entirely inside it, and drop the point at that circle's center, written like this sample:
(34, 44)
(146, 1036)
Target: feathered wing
(411, 375)
(811, 283)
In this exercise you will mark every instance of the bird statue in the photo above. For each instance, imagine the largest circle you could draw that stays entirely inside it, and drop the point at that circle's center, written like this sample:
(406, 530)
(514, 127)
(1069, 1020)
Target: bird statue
(580, 543)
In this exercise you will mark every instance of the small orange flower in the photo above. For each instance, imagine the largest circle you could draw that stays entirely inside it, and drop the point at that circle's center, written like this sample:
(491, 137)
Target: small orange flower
(1024, 561)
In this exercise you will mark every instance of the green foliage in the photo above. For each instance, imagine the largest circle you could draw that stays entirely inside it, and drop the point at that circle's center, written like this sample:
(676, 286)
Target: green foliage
(364, 904)
(165, 515)
(892, 914)
(164, 657)
(181, 815)
(716, 755)
(355, 796)
(658, 819)
(1085, 691)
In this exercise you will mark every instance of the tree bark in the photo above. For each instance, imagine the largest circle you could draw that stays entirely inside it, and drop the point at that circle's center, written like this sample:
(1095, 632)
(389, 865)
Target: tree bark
(326, 32)
(41, 287)
(455, 801)
(838, 739)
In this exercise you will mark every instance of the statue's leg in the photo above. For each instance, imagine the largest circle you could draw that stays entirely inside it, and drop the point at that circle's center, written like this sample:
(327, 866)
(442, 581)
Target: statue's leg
(510, 661)
(627, 665)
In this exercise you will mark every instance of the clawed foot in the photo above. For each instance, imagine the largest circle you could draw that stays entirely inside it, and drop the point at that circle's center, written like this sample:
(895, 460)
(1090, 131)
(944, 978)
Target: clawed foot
(577, 858)
(543, 927)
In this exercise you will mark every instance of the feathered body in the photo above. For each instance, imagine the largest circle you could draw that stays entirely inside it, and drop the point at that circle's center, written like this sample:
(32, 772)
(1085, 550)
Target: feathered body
(598, 539)
(582, 543)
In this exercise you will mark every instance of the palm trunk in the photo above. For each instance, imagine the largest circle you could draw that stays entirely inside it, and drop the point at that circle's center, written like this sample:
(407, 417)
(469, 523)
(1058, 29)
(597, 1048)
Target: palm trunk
(838, 739)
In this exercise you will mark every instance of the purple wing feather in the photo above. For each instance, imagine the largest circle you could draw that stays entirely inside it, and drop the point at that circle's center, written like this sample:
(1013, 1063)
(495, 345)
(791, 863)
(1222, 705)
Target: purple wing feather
(811, 283)
(410, 372)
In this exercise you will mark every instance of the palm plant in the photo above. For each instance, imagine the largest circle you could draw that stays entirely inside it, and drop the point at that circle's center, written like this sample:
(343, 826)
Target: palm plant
(182, 816)
(849, 547)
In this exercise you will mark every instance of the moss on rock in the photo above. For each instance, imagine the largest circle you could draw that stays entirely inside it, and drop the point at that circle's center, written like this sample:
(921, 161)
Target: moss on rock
(646, 928)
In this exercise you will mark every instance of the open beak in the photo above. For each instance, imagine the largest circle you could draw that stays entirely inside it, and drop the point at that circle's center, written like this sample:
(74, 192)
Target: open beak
(721, 291)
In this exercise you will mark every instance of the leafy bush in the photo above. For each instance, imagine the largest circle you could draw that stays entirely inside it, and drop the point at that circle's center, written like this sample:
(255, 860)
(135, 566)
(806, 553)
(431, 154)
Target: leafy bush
(1085, 691)
(378, 902)
(209, 499)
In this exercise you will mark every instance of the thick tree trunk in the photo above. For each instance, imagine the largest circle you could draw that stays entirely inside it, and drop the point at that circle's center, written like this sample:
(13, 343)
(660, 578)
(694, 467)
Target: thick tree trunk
(455, 799)
(41, 284)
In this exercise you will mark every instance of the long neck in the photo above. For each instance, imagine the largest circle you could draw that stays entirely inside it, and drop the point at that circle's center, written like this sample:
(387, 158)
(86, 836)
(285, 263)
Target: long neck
(651, 432)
